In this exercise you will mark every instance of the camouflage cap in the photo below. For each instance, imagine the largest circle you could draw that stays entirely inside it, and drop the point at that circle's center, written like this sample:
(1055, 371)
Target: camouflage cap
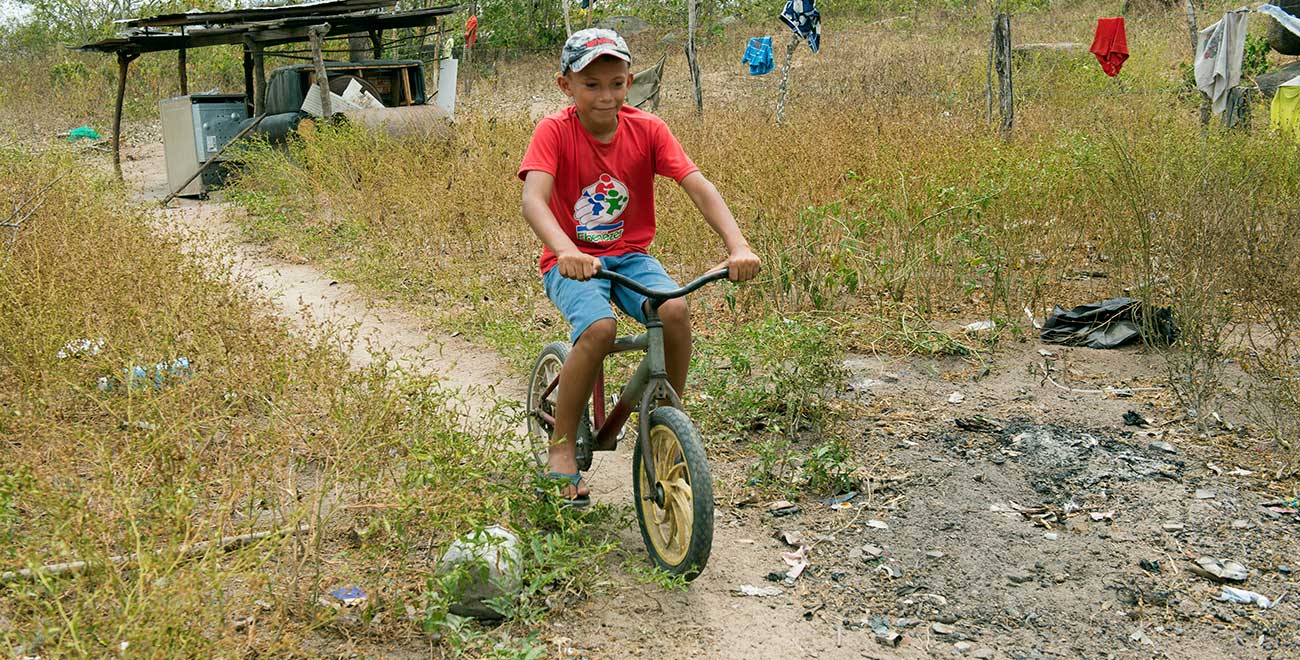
(584, 46)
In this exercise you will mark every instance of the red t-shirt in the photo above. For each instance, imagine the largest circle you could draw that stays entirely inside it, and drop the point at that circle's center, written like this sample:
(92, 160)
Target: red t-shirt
(604, 195)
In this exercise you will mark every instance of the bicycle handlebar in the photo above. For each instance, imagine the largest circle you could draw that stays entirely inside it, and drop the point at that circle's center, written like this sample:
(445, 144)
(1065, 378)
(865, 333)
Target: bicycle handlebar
(661, 295)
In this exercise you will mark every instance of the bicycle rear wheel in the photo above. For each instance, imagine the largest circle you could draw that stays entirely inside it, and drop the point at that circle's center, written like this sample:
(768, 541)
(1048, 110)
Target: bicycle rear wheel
(675, 512)
(545, 370)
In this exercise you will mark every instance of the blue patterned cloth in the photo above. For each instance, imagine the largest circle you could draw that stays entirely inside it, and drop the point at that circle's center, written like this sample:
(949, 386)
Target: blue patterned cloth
(758, 55)
(805, 20)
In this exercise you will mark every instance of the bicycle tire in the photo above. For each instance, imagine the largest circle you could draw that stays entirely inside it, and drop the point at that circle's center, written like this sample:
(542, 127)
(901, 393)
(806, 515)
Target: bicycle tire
(545, 367)
(661, 528)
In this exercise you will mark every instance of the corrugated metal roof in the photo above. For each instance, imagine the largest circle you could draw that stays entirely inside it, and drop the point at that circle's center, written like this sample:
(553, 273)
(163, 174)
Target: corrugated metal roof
(280, 30)
(320, 8)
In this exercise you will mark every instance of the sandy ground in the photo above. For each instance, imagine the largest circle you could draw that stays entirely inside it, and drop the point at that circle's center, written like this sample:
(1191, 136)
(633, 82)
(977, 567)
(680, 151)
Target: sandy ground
(932, 552)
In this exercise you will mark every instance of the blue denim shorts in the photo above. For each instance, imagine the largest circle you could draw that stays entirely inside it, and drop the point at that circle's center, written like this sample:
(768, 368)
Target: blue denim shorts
(584, 303)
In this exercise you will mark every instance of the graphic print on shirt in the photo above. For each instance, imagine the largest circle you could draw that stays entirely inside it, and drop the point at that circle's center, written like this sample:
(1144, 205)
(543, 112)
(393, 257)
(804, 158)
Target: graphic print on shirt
(598, 208)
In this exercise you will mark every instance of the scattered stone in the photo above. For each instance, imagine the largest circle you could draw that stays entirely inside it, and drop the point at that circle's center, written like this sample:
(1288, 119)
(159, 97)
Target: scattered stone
(1163, 446)
(1172, 527)
(760, 592)
(1284, 569)
(978, 424)
(1099, 516)
(984, 653)
(942, 629)
(1242, 523)
(962, 647)
(934, 554)
(1204, 494)
(1051, 536)
(956, 398)
(1132, 418)
(873, 551)
(997, 458)
(855, 554)
(907, 622)
(877, 524)
(783, 508)
(1020, 576)
(892, 571)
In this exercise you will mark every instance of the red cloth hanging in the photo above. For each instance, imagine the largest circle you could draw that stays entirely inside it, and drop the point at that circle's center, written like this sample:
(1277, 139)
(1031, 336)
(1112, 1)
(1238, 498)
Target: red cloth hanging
(471, 31)
(1110, 45)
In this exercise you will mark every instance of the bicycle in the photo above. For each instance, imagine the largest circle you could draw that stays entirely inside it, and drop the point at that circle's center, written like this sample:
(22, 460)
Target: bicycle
(672, 492)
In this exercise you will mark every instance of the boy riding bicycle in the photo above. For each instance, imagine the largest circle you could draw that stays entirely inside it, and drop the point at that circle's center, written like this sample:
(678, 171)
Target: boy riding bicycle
(589, 196)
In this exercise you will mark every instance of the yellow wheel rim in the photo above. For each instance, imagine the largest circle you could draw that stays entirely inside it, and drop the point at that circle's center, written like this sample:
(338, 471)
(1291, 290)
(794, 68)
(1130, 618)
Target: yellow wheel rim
(546, 373)
(669, 527)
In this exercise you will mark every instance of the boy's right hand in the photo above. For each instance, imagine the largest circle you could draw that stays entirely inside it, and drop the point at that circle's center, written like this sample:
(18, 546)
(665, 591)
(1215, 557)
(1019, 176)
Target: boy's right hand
(577, 265)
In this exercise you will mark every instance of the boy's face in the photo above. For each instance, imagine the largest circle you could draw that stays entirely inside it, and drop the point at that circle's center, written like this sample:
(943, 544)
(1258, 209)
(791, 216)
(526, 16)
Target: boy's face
(599, 89)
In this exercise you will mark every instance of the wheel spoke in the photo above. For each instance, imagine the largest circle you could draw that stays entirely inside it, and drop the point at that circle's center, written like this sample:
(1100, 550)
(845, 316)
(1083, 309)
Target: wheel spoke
(674, 473)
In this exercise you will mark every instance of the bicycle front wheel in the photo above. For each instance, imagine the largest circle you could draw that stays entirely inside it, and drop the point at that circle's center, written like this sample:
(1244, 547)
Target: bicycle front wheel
(676, 511)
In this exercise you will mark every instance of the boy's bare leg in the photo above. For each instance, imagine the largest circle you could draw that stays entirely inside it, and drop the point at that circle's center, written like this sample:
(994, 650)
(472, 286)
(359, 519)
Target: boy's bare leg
(677, 342)
(577, 378)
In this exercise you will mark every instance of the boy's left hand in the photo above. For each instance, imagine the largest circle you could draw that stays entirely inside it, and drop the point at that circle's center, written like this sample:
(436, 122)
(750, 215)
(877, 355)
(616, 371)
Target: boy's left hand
(742, 265)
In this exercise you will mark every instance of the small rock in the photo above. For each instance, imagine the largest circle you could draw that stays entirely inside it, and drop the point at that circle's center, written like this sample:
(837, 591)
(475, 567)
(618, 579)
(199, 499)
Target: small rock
(1242, 523)
(1204, 494)
(1020, 576)
(855, 554)
(877, 524)
(1163, 446)
(998, 459)
(934, 554)
(1172, 527)
(907, 622)
(873, 551)
(942, 629)
(1050, 536)
(1284, 569)
(983, 653)
(956, 398)
(963, 647)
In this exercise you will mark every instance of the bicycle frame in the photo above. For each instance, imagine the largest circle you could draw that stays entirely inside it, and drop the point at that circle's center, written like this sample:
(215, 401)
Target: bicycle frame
(648, 384)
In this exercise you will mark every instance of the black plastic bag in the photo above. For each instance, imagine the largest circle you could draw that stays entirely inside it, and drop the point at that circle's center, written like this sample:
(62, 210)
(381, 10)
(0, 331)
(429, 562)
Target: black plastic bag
(1107, 324)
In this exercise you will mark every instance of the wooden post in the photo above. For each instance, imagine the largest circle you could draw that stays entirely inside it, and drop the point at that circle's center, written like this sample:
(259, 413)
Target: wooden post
(182, 72)
(1006, 95)
(124, 60)
(377, 44)
(692, 62)
(591, 10)
(785, 78)
(568, 25)
(248, 79)
(259, 74)
(317, 34)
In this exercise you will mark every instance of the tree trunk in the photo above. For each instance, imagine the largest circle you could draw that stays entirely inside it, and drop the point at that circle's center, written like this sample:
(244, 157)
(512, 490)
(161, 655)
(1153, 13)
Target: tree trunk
(691, 60)
(317, 34)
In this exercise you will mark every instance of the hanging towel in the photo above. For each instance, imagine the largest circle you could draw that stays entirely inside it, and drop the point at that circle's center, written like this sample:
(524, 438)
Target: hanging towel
(758, 55)
(1284, 113)
(805, 20)
(1110, 45)
(1219, 49)
(471, 31)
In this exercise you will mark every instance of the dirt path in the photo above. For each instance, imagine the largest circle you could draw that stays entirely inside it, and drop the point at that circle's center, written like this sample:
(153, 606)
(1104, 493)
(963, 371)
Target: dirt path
(1099, 568)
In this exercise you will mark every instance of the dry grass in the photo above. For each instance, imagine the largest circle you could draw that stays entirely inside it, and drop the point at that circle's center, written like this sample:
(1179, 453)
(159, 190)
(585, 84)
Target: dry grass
(270, 431)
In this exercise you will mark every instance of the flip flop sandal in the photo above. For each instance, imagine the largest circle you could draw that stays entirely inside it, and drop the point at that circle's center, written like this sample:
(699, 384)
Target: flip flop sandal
(578, 502)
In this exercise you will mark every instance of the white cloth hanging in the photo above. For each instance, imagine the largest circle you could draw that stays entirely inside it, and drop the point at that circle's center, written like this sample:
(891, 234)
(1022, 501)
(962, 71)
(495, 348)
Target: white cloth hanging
(1219, 50)
(1287, 21)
